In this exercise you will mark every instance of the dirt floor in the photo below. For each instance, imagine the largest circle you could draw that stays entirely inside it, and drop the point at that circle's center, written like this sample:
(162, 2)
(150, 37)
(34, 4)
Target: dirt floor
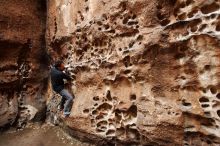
(44, 135)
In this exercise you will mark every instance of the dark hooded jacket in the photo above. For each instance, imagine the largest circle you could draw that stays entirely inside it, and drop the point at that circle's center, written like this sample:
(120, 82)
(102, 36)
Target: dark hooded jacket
(57, 77)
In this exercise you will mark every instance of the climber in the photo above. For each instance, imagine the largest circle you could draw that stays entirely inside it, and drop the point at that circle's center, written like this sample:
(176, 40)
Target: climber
(57, 80)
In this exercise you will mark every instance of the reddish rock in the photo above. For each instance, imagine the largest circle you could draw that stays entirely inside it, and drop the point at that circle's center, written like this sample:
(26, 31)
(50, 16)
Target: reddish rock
(23, 68)
(146, 71)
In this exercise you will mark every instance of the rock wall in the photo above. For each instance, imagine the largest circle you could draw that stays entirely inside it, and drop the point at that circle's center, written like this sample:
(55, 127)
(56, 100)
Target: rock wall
(147, 71)
(24, 65)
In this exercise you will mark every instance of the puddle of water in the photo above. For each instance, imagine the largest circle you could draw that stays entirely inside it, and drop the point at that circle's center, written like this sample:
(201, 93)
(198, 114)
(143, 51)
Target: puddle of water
(39, 136)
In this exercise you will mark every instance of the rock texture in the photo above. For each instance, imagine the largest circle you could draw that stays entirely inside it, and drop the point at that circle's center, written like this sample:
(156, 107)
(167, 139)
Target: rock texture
(147, 71)
(23, 68)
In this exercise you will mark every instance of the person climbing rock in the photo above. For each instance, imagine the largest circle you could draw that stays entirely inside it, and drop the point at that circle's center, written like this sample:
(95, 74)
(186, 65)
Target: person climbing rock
(57, 81)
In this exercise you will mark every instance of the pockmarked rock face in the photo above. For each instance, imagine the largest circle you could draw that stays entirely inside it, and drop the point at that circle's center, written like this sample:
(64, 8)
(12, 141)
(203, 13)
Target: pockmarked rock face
(147, 71)
(23, 72)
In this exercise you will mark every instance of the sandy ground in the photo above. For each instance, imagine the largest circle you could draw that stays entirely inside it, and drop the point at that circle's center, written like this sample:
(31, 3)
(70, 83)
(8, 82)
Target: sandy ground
(44, 135)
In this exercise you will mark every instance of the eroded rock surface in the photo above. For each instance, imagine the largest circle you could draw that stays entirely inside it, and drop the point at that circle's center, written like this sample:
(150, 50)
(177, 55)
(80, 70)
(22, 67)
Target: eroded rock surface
(23, 68)
(147, 71)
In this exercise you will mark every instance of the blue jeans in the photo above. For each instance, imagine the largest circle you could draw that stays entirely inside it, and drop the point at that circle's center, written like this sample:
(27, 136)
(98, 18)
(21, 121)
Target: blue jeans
(66, 96)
